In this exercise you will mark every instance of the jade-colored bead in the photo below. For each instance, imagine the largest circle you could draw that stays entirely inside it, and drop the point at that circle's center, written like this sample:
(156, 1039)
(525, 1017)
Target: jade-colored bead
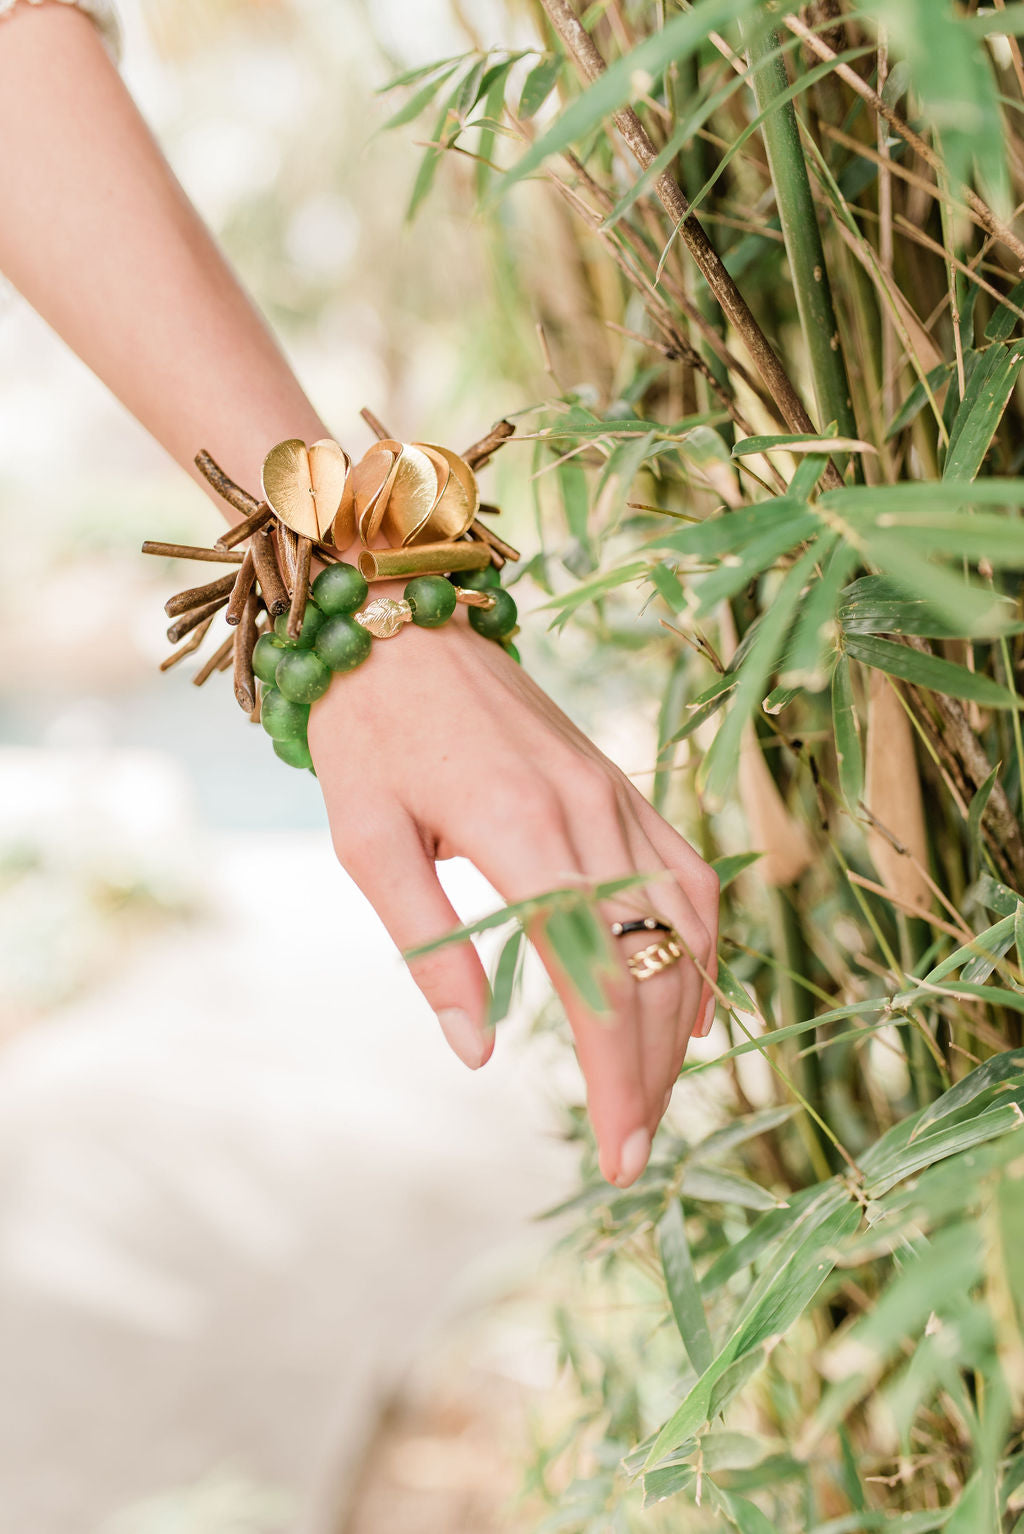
(294, 752)
(478, 580)
(497, 621)
(282, 719)
(432, 599)
(312, 623)
(265, 656)
(342, 643)
(510, 649)
(301, 676)
(339, 589)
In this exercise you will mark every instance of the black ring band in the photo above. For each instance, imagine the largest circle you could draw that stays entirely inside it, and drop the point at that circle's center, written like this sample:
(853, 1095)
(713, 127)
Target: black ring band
(644, 924)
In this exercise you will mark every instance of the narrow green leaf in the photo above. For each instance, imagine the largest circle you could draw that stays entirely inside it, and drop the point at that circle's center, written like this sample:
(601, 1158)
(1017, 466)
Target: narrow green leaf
(981, 410)
(759, 555)
(503, 987)
(1003, 322)
(683, 1290)
(678, 39)
(929, 671)
(538, 85)
(729, 868)
(876, 604)
(846, 726)
(801, 442)
(977, 808)
(422, 99)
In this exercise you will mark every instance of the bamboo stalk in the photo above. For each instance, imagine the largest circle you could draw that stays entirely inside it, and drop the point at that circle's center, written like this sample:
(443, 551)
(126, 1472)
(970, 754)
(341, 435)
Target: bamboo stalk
(241, 589)
(197, 595)
(799, 219)
(591, 66)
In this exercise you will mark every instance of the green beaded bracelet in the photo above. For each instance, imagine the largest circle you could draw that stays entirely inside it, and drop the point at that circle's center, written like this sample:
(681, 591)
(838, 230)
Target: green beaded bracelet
(294, 636)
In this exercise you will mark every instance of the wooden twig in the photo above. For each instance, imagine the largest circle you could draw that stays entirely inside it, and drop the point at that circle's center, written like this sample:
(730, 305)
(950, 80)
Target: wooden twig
(300, 590)
(243, 529)
(197, 595)
(192, 551)
(184, 625)
(198, 635)
(245, 639)
(477, 455)
(241, 589)
(591, 66)
(267, 573)
(497, 545)
(288, 548)
(213, 664)
(376, 426)
(235, 496)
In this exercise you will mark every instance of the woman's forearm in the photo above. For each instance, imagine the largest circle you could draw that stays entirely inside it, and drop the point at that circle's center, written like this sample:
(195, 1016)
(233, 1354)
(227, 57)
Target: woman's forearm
(97, 234)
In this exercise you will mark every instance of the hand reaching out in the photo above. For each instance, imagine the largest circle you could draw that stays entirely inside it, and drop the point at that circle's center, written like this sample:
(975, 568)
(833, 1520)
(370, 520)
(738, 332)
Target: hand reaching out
(442, 746)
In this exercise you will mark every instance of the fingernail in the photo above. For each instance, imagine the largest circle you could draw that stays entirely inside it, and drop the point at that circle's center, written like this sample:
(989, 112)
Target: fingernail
(707, 1019)
(463, 1036)
(633, 1157)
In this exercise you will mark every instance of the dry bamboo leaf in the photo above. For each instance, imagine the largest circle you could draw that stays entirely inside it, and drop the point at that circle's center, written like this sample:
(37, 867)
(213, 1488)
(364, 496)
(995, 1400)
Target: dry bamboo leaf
(892, 793)
(782, 840)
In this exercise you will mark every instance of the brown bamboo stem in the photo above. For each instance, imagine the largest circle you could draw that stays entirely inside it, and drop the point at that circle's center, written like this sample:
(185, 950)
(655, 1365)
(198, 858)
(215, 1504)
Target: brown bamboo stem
(245, 640)
(591, 66)
(477, 455)
(376, 426)
(243, 529)
(184, 625)
(300, 591)
(192, 551)
(978, 208)
(235, 496)
(241, 589)
(197, 637)
(267, 573)
(213, 663)
(197, 595)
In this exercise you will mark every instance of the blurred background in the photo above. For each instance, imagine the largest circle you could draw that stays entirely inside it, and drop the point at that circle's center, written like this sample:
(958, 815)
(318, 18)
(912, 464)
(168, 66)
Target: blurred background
(268, 1252)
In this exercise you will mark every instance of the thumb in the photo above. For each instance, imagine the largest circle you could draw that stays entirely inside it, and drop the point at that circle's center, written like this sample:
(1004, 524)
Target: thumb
(399, 878)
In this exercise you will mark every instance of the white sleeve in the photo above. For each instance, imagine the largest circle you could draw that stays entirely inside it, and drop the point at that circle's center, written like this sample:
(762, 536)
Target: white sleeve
(102, 12)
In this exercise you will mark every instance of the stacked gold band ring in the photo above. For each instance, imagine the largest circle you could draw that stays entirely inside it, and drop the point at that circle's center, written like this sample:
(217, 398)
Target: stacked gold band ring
(659, 955)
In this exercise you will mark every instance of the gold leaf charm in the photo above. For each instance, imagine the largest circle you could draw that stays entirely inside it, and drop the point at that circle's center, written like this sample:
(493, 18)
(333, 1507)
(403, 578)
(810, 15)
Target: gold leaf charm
(384, 616)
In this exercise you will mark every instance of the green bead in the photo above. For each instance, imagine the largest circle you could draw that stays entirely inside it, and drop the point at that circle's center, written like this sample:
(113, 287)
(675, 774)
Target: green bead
(342, 643)
(281, 719)
(497, 621)
(301, 677)
(510, 649)
(432, 599)
(312, 623)
(295, 753)
(339, 589)
(478, 580)
(265, 656)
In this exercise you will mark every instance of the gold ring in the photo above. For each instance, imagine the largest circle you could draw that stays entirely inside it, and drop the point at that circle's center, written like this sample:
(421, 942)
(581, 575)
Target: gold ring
(661, 954)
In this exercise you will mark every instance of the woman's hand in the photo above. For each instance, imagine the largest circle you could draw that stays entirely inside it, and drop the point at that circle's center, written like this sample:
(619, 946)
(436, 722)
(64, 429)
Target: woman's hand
(441, 746)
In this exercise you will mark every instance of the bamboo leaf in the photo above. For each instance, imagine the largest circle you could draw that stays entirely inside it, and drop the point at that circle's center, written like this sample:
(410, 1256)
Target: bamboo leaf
(929, 671)
(801, 443)
(846, 726)
(506, 971)
(981, 410)
(678, 39)
(729, 868)
(538, 85)
(683, 1290)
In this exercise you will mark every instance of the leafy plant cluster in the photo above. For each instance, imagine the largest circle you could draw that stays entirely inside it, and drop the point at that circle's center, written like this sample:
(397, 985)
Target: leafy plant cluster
(787, 487)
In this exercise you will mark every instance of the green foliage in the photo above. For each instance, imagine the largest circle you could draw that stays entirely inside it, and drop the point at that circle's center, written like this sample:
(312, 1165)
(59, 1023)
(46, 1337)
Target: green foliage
(819, 1294)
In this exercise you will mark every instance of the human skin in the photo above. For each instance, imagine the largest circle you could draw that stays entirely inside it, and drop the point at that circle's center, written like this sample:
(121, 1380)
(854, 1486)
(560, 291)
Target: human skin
(439, 745)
